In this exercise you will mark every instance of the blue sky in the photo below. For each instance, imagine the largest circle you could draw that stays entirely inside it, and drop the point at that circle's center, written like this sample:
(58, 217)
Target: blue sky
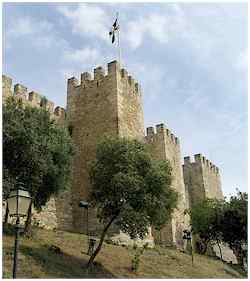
(190, 59)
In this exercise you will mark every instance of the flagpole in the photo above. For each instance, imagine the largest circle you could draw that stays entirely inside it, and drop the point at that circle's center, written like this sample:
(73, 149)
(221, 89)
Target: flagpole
(119, 44)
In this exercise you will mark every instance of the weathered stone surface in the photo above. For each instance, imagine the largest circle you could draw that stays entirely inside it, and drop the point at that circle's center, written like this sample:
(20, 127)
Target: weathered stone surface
(32, 98)
(165, 146)
(51, 216)
(63, 203)
(227, 253)
(202, 179)
(123, 239)
(109, 104)
(47, 217)
(6, 87)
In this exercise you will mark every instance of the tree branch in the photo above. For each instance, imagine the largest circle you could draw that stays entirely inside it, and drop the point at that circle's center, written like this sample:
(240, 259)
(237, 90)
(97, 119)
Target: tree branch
(101, 240)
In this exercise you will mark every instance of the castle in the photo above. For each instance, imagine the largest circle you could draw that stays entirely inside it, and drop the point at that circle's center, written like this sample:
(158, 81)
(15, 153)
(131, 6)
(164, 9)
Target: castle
(111, 104)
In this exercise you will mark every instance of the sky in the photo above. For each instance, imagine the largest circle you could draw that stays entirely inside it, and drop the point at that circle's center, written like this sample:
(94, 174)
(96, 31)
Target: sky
(189, 58)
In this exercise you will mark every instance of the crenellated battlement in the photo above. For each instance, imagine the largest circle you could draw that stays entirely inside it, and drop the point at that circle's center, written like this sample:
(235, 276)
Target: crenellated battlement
(202, 179)
(60, 112)
(29, 98)
(6, 87)
(7, 81)
(101, 78)
(107, 101)
(201, 160)
(161, 129)
(20, 91)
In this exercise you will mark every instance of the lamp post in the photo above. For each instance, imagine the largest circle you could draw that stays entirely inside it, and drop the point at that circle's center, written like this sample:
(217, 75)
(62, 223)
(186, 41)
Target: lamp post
(18, 203)
(85, 205)
(188, 236)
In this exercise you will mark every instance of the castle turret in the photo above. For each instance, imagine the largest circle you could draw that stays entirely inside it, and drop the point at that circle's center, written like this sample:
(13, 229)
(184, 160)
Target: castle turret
(6, 87)
(100, 104)
(20, 91)
(202, 179)
(32, 98)
(165, 145)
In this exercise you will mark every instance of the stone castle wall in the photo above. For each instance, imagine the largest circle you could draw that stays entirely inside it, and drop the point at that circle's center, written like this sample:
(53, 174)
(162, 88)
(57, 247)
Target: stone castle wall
(31, 98)
(166, 146)
(111, 104)
(108, 104)
(6, 87)
(202, 179)
(130, 110)
(57, 212)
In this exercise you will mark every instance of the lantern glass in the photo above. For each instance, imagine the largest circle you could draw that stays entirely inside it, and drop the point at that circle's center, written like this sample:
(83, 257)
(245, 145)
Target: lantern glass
(19, 202)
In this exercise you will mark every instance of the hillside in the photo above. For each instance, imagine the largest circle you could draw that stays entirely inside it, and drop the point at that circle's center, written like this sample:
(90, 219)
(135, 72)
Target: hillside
(36, 260)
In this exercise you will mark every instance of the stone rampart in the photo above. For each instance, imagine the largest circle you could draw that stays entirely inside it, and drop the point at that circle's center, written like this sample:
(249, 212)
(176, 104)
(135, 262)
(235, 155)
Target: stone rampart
(109, 102)
(104, 104)
(50, 216)
(202, 179)
(165, 145)
(31, 98)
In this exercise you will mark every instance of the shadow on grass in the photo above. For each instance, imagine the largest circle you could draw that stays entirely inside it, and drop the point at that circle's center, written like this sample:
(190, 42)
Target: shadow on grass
(62, 265)
(239, 269)
(9, 229)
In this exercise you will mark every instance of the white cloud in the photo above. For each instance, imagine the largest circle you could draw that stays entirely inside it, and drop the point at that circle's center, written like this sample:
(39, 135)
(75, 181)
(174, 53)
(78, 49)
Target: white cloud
(43, 42)
(150, 81)
(39, 33)
(135, 33)
(87, 19)
(76, 61)
(87, 56)
(21, 27)
(158, 26)
(67, 73)
(154, 25)
(27, 26)
(242, 61)
(93, 20)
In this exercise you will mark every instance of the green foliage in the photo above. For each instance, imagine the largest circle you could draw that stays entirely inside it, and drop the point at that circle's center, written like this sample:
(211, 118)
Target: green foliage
(234, 224)
(206, 219)
(129, 186)
(36, 261)
(129, 189)
(36, 152)
(219, 221)
(138, 252)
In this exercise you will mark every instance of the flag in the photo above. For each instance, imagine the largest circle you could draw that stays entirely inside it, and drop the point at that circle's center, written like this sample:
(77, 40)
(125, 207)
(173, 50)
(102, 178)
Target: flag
(115, 27)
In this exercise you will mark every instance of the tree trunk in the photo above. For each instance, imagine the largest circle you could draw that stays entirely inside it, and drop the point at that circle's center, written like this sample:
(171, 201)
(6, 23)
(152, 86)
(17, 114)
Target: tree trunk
(97, 250)
(6, 215)
(204, 247)
(27, 227)
(238, 254)
(218, 243)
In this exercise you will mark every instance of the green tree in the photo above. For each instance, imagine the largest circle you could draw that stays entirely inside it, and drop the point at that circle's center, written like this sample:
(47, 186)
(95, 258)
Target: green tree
(206, 219)
(36, 152)
(234, 225)
(129, 189)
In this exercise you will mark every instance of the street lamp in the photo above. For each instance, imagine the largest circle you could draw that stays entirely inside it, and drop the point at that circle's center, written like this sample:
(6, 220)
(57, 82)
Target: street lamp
(18, 203)
(85, 205)
(187, 235)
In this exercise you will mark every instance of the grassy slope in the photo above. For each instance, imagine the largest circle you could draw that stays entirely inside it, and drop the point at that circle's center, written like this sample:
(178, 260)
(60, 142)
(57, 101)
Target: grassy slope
(37, 261)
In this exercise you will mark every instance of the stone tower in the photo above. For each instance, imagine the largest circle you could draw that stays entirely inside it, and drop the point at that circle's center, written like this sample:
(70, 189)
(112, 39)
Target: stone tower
(108, 104)
(166, 146)
(6, 87)
(202, 179)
